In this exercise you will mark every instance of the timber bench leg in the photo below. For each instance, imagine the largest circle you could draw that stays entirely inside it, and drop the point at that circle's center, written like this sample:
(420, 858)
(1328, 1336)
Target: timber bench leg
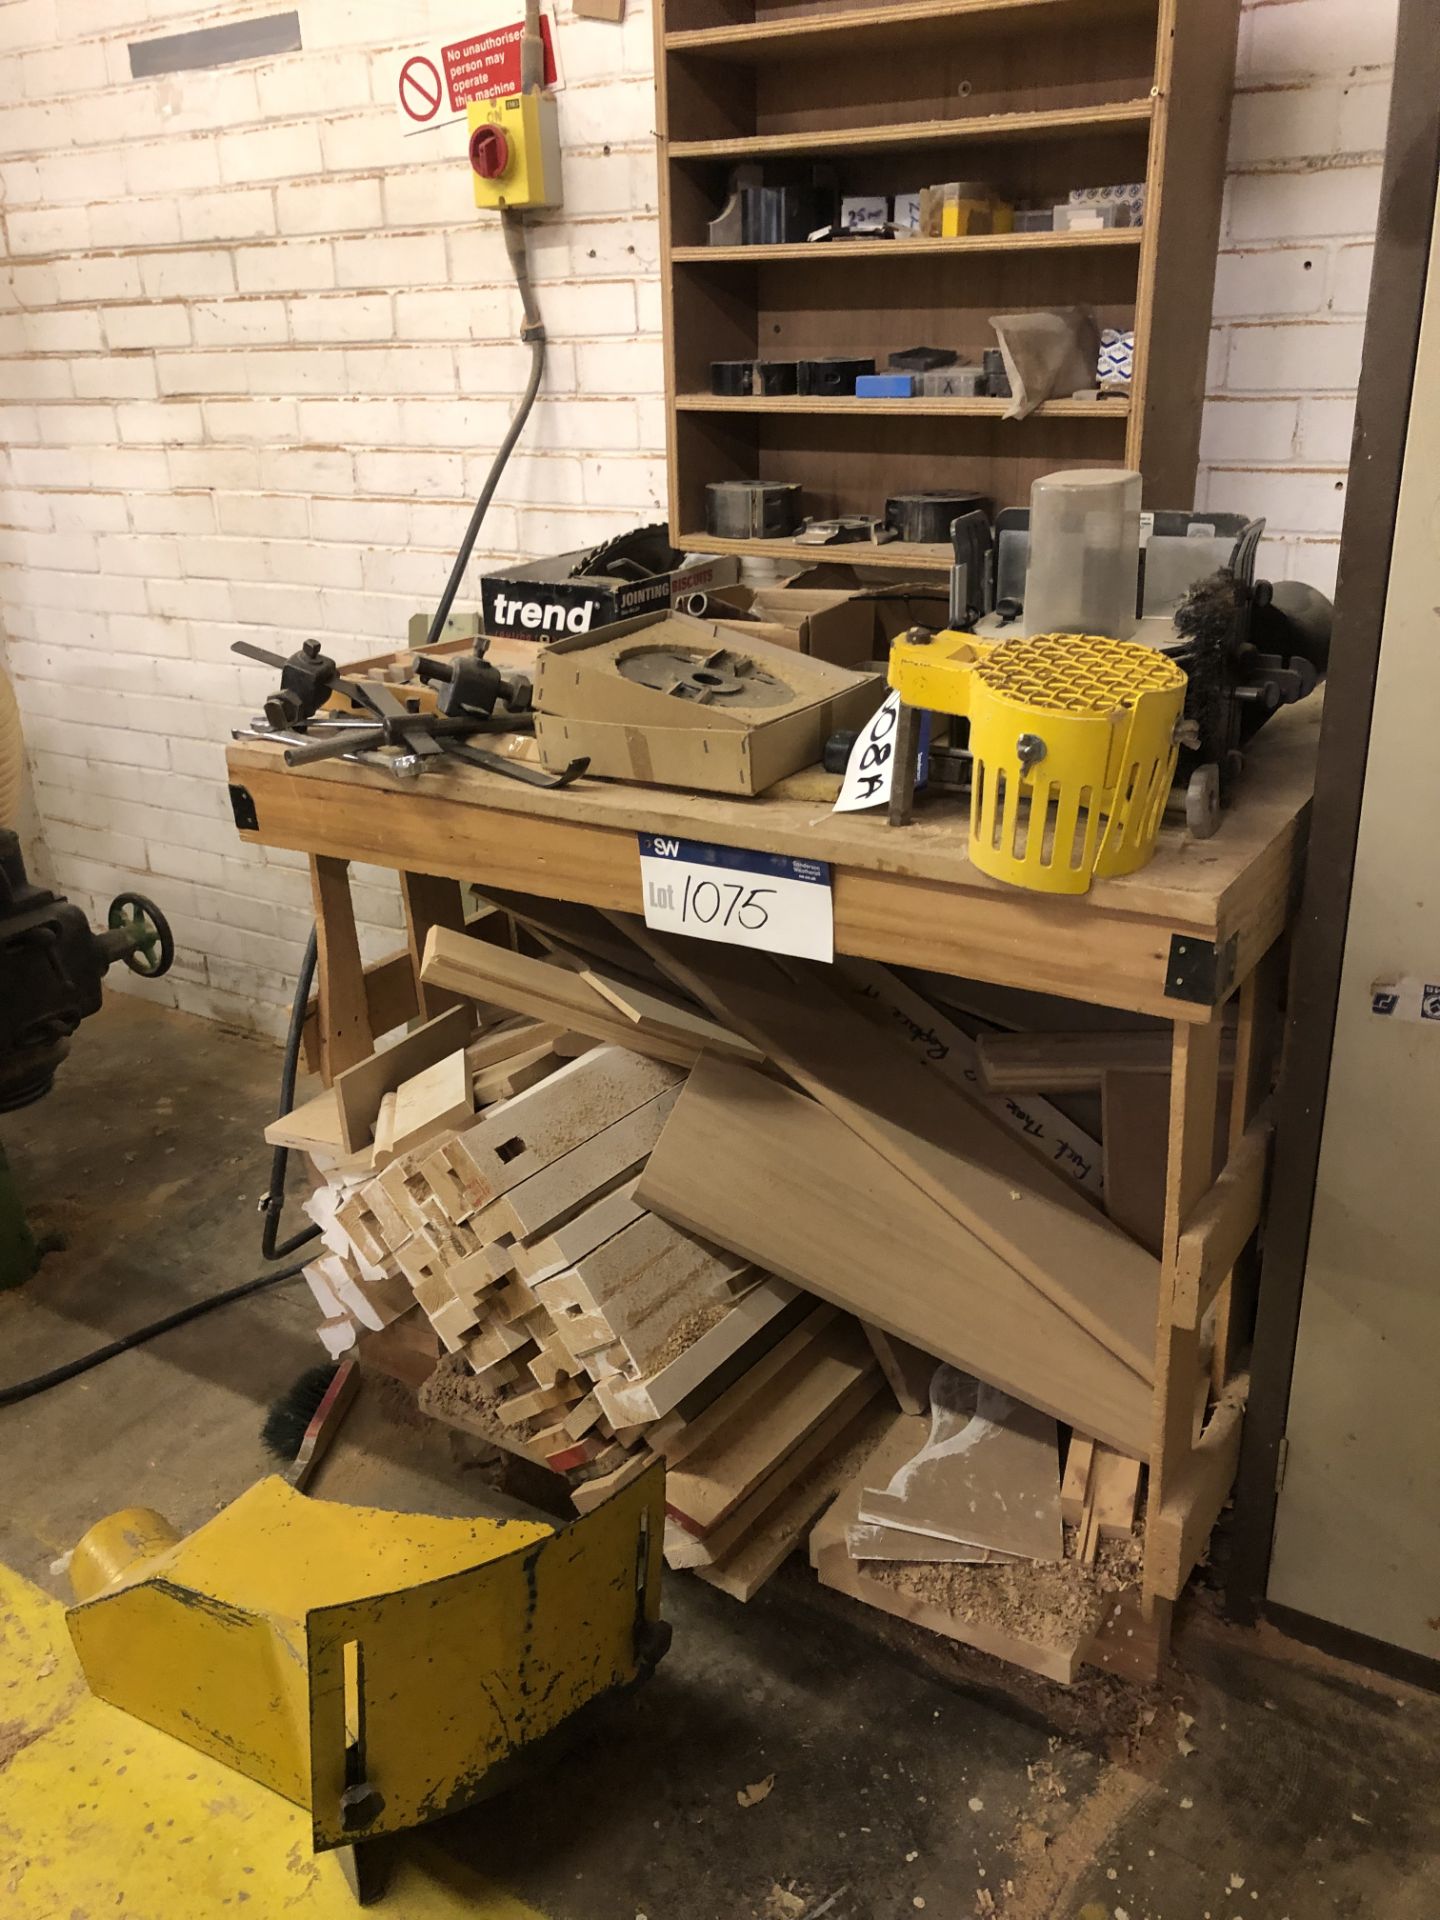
(342, 1005)
(1189, 1171)
(1208, 1224)
(431, 900)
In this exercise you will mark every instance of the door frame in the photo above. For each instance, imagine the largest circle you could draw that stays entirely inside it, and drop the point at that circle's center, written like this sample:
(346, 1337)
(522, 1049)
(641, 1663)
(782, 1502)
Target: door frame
(1392, 326)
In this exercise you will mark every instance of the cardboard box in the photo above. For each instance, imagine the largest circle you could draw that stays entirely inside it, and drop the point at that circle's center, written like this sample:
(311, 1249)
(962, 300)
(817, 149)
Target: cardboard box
(833, 625)
(882, 607)
(586, 705)
(545, 599)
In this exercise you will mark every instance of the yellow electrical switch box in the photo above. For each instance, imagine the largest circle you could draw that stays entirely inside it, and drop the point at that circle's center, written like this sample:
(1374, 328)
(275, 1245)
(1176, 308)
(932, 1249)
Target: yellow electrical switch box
(515, 151)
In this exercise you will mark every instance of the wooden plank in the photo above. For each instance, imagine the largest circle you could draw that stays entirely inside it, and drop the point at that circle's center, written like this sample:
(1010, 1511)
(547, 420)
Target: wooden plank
(716, 1476)
(640, 1289)
(517, 1139)
(390, 999)
(908, 1372)
(586, 1495)
(586, 1230)
(898, 251)
(674, 1437)
(1194, 1089)
(867, 1541)
(314, 1123)
(1075, 1486)
(1257, 1042)
(661, 1017)
(1135, 1119)
(430, 900)
(984, 1622)
(907, 898)
(955, 1154)
(754, 1166)
(437, 1097)
(918, 133)
(360, 1089)
(546, 993)
(568, 1183)
(1177, 1532)
(1072, 1062)
(781, 1529)
(944, 1049)
(1116, 1494)
(580, 929)
(343, 1009)
(1218, 1228)
(629, 1403)
(988, 1474)
(508, 1043)
(719, 1542)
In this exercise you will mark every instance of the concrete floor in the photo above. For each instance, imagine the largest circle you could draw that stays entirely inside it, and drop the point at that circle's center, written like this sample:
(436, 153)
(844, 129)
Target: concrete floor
(1260, 1781)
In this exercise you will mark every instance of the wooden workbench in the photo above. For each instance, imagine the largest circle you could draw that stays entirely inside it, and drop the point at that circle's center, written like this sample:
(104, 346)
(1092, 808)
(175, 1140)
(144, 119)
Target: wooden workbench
(1198, 926)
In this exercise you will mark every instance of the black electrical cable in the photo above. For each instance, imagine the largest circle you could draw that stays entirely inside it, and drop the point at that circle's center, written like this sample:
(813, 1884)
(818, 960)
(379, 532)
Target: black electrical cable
(273, 1205)
(533, 333)
(42, 1382)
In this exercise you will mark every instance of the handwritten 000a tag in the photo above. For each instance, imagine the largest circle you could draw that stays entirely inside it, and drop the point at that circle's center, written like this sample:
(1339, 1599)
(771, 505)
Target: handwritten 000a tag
(871, 766)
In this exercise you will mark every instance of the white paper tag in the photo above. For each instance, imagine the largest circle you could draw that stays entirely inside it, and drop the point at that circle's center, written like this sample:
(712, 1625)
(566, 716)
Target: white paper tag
(871, 765)
(769, 901)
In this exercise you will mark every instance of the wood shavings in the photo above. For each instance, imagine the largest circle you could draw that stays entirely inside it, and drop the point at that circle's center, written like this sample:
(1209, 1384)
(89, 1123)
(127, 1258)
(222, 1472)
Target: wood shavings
(1048, 1604)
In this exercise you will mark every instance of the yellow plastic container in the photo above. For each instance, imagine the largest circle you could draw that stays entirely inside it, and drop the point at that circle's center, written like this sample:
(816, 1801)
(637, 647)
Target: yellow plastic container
(1073, 738)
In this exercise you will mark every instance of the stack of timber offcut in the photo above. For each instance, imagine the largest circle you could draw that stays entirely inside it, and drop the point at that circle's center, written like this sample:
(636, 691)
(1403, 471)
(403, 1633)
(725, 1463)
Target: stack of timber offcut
(815, 1237)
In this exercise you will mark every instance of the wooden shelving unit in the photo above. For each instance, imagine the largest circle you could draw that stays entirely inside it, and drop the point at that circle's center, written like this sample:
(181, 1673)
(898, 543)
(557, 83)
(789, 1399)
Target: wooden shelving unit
(1037, 96)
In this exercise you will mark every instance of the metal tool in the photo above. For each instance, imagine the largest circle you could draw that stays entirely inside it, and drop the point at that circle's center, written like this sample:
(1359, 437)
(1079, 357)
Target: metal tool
(470, 685)
(422, 739)
(751, 509)
(928, 517)
(845, 529)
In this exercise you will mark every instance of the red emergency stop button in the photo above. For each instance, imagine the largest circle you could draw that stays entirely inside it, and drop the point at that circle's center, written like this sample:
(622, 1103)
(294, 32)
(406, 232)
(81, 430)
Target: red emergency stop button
(489, 151)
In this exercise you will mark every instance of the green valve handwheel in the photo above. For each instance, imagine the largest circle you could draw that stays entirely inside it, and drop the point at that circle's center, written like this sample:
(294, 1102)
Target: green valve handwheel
(146, 944)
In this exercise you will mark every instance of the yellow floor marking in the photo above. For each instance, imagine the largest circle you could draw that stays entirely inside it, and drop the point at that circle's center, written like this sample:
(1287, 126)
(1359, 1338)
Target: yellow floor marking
(100, 1814)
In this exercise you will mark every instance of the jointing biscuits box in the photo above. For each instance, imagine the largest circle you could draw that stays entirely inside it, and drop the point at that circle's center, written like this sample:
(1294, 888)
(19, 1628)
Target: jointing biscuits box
(546, 599)
(587, 704)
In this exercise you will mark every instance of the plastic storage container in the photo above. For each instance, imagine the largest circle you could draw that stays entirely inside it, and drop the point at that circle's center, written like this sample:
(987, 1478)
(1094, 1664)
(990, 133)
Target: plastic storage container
(1084, 553)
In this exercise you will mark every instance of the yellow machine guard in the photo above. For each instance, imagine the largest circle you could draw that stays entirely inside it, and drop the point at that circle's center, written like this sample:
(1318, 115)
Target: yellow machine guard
(379, 1668)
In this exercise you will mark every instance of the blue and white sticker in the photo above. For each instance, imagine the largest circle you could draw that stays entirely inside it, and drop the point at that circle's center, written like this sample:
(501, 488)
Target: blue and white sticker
(772, 902)
(1406, 996)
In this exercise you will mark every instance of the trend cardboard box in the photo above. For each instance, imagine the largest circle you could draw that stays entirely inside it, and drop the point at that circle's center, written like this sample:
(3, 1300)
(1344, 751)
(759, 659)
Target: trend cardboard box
(712, 710)
(547, 599)
(837, 626)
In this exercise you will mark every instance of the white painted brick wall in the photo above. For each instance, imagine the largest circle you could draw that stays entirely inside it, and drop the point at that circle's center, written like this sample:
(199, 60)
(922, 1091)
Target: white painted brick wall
(256, 347)
(1306, 143)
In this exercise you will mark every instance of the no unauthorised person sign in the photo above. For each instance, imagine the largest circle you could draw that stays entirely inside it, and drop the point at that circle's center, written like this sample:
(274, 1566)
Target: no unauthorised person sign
(435, 85)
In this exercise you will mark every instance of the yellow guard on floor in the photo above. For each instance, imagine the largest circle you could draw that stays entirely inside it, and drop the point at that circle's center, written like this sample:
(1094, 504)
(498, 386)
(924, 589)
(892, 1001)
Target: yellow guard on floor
(377, 1668)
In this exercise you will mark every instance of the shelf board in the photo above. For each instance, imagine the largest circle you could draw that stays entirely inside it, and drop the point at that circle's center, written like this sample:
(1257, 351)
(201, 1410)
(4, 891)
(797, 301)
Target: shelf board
(854, 27)
(921, 404)
(922, 133)
(912, 249)
(899, 556)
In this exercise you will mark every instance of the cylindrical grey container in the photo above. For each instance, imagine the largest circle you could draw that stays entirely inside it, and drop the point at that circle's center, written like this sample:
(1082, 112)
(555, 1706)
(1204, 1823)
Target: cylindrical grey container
(1084, 553)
